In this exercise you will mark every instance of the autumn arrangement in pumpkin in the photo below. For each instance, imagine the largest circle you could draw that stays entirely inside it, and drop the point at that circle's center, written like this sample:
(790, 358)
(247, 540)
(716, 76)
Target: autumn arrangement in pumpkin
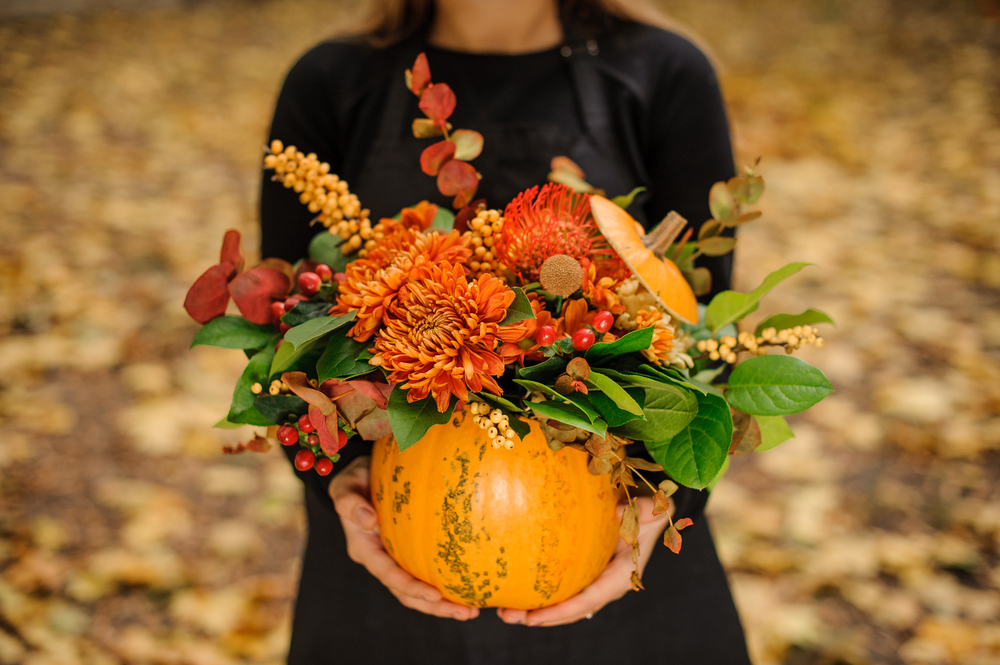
(551, 349)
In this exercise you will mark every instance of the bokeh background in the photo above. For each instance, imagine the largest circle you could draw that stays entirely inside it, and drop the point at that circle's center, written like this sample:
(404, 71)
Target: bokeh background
(130, 138)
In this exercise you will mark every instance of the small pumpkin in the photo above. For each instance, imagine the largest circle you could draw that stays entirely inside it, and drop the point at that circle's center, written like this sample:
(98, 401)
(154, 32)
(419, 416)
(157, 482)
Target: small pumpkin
(521, 528)
(644, 256)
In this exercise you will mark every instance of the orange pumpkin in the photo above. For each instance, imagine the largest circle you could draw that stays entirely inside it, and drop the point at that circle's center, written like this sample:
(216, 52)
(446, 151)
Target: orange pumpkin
(521, 528)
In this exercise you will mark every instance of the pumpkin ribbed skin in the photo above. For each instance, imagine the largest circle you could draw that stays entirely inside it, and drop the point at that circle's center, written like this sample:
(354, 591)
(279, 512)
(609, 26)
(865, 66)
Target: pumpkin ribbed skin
(522, 528)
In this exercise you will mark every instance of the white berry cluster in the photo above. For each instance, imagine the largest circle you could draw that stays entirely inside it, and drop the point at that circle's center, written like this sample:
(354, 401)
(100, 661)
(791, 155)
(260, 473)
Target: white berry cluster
(496, 424)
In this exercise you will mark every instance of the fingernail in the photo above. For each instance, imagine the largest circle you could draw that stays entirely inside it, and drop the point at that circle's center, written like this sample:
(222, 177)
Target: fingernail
(431, 598)
(458, 615)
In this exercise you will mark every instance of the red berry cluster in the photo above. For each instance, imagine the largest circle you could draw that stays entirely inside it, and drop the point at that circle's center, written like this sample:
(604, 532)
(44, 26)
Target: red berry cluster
(583, 338)
(309, 285)
(311, 456)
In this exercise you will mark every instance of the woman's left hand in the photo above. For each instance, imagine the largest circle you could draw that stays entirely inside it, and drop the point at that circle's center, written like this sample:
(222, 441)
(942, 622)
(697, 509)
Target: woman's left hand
(613, 583)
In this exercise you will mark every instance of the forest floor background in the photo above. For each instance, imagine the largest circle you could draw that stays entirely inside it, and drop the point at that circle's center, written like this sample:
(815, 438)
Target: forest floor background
(130, 140)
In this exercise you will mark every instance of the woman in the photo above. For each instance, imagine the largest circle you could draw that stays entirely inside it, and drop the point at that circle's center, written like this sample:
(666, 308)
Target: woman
(632, 105)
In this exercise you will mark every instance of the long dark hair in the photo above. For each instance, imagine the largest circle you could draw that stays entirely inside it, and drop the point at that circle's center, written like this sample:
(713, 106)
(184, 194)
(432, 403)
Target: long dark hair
(385, 22)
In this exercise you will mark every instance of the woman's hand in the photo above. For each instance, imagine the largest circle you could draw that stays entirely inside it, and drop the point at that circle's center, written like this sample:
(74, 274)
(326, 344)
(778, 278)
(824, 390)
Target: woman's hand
(350, 490)
(613, 583)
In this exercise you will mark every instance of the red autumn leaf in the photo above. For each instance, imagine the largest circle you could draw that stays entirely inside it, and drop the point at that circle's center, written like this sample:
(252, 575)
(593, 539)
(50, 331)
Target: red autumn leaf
(629, 529)
(566, 165)
(425, 128)
(326, 429)
(672, 537)
(282, 265)
(457, 177)
(373, 390)
(362, 404)
(438, 103)
(232, 249)
(299, 384)
(256, 445)
(419, 77)
(467, 214)
(434, 156)
(421, 216)
(374, 426)
(254, 290)
(208, 296)
(684, 522)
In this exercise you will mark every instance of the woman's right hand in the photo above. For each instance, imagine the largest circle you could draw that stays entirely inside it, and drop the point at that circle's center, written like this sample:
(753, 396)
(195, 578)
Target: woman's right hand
(350, 490)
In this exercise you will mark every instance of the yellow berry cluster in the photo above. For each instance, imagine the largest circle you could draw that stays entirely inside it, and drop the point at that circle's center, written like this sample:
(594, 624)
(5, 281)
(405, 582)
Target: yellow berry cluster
(483, 228)
(358, 235)
(723, 349)
(324, 192)
(275, 388)
(726, 348)
(496, 424)
(791, 338)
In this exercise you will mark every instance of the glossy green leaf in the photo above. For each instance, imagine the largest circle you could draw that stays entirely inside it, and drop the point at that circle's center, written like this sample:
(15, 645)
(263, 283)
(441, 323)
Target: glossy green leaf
(500, 402)
(242, 409)
(544, 371)
(444, 220)
(782, 321)
(774, 431)
(302, 339)
(776, 386)
(569, 414)
(339, 359)
(614, 391)
(305, 310)
(730, 306)
(696, 455)
(280, 408)
(234, 332)
(602, 352)
(519, 310)
(225, 424)
(720, 201)
(668, 410)
(611, 413)
(411, 420)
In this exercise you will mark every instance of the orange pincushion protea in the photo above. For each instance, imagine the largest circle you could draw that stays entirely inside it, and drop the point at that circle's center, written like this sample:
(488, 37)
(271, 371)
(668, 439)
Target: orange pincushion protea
(442, 334)
(372, 284)
(663, 337)
(541, 223)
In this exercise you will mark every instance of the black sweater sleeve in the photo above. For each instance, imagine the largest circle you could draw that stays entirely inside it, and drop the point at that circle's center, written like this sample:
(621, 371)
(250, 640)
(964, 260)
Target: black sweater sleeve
(687, 149)
(306, 116)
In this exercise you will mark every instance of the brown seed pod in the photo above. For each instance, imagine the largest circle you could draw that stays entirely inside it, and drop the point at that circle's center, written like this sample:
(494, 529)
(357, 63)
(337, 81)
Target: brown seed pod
(561, 275)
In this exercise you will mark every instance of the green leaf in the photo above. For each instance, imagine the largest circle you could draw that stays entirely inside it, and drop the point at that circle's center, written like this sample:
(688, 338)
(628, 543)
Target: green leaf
(304, 311)
(611, 413)
(718, 476)
(313, 329)
(242, 409)
(225, 424)
(731, 306)
(621, 398)
(303, 338)
(717, 246)
(568, 414)
(521, 428)
(519, 310)
(637, 340)
(411, 420)
(720, 201)
(234, 332)
(339, 359)
(325, 248)
(576, 399)
(444, 220)
(776, 386)
(773, 432)
(668, 410)
(625, 200)
(632, 378)
(782, 321)
(544, 371)
(280, 408)
(499, 402)
(695, 455)
(708, 375)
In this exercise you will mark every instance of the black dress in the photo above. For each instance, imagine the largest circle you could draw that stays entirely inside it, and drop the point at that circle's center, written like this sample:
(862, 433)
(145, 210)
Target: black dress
(633, 105)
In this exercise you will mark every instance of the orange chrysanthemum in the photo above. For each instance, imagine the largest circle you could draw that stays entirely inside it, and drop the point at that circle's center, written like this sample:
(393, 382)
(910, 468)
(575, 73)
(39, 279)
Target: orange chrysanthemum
(442, 334)
(600, 291)
(372, 284)
(553, 220)
(663, 336)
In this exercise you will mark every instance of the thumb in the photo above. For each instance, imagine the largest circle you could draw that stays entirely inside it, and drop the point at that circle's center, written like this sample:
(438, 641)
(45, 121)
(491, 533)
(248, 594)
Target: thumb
(365, 516)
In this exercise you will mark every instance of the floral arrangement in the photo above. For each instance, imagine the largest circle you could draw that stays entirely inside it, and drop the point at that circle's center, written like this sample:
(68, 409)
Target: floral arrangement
(557, 308)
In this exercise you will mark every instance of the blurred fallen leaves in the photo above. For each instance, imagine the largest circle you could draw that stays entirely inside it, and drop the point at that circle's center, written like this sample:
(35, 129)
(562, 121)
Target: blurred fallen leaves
(130, 141)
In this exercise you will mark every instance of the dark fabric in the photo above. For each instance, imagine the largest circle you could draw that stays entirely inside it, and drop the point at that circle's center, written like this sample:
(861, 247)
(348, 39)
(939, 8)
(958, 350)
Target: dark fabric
(633, 106)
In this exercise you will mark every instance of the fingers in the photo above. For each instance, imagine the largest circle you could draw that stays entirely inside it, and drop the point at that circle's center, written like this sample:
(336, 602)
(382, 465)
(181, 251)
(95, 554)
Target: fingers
(441, 608)
(509, 615)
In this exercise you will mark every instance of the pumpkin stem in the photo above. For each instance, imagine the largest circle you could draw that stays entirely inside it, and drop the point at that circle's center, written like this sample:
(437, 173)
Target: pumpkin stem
(663, 234)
